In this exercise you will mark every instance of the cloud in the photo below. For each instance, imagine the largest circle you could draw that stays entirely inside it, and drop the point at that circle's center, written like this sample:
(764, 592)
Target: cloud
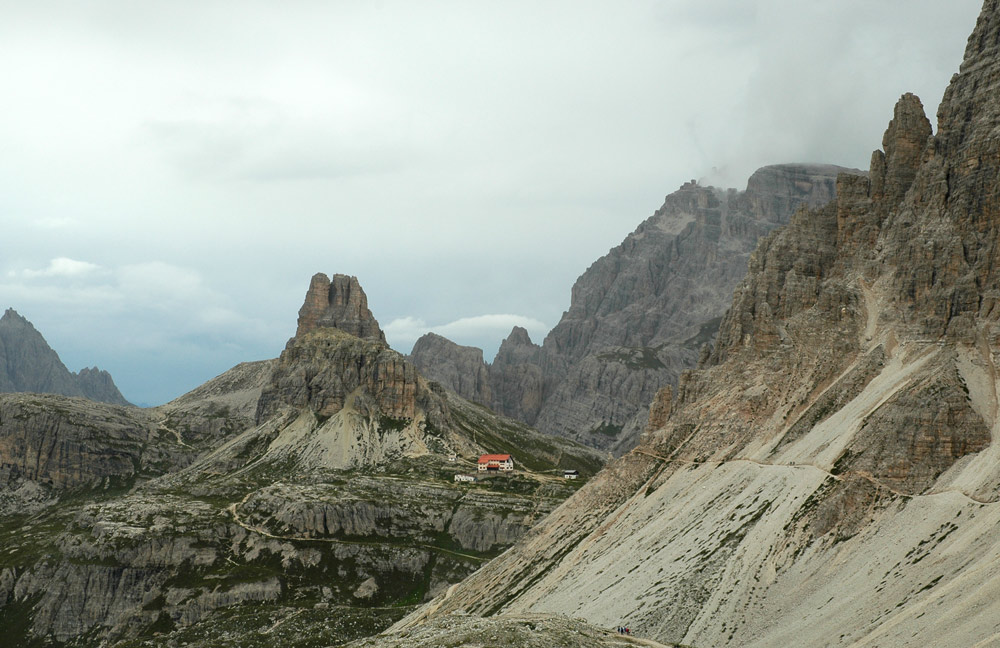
(483, 331)
(162, 285)
(161, 301)
(160, 328)
(54, 223)
(459, 157)
(62, 267)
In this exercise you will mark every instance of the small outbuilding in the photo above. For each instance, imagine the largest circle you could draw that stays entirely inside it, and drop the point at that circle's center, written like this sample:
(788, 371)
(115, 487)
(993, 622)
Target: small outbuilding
(570, 474)
(496, 463)
(465, 478)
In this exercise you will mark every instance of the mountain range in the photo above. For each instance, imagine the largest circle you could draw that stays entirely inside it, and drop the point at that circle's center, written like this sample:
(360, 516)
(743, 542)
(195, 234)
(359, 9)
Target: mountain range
(808, 457)
(638, 317)
(316, 483)
(830, 476)
(28, 364)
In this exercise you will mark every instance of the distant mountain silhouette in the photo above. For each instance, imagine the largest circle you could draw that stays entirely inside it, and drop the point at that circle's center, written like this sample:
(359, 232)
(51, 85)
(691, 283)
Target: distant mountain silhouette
(28, 364)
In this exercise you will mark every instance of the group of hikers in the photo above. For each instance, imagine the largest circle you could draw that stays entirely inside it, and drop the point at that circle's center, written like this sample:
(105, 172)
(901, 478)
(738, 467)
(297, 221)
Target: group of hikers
(624, 630)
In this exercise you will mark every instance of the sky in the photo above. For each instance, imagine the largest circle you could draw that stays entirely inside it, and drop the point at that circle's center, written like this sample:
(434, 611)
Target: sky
(173, 173)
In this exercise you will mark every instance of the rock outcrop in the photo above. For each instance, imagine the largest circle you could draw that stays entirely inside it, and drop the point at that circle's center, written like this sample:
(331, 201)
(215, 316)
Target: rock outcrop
(28, 364)
(68, 443)
(831, 476)
(458, 368)
(338, 303)
(642, 314)
(58, 443)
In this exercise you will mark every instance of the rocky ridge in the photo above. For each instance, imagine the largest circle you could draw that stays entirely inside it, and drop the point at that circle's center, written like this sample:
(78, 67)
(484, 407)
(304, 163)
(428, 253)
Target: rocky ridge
(830, 477)
(638, 317)
(28, 364)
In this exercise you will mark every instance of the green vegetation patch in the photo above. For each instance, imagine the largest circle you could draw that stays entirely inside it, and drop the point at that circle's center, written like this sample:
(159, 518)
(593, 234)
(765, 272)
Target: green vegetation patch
(392, 423)
(607, 429)
(265, 625)
(15, 619)
(635, 358)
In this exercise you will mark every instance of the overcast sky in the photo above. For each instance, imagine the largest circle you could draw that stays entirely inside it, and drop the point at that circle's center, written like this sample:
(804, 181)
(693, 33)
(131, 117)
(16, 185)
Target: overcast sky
(173, 173)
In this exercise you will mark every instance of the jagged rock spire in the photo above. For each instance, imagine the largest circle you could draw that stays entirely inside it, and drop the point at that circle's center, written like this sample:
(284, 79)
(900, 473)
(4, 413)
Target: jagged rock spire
(894, 168)
(338, 303)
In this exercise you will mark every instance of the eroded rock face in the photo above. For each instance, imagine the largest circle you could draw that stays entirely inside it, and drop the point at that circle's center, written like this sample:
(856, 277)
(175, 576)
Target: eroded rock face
(894, 168)
(338, 356)
(74, 443)
(321, 370)
(68, 443)
(338, 303)
(475, 520)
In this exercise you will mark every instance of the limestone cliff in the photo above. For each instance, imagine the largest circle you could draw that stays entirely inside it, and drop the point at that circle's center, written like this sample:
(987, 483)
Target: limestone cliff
(28, 364)
(832, 475)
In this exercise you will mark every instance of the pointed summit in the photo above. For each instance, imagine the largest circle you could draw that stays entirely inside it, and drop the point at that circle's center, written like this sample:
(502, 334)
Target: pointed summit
(338, 303)
(895, 166)
(11, 315)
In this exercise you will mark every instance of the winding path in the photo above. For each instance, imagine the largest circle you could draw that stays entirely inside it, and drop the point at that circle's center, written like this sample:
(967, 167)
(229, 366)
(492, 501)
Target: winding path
(838, 477)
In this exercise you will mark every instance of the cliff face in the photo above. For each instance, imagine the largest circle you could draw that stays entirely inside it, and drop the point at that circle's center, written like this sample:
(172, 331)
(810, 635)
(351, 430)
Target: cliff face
(458, 368)
(640, 315)
(831, 476)
(28, 364)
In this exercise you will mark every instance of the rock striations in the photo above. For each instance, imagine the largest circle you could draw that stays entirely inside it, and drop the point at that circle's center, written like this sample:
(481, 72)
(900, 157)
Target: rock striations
(28, 364)
(639, 316)
(831, 476)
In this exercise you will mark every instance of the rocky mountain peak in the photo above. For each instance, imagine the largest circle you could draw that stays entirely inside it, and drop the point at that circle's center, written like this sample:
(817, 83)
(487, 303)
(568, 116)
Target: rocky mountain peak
(641, 314)
(339, 360)
(847, 427)
(968, 122)
(894, 168)
(338, 303)
(11, 315)
(459, 368)
(519, 336)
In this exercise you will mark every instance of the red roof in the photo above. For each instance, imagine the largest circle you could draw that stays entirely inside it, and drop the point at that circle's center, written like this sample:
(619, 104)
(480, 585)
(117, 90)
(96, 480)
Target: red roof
(495, 457)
